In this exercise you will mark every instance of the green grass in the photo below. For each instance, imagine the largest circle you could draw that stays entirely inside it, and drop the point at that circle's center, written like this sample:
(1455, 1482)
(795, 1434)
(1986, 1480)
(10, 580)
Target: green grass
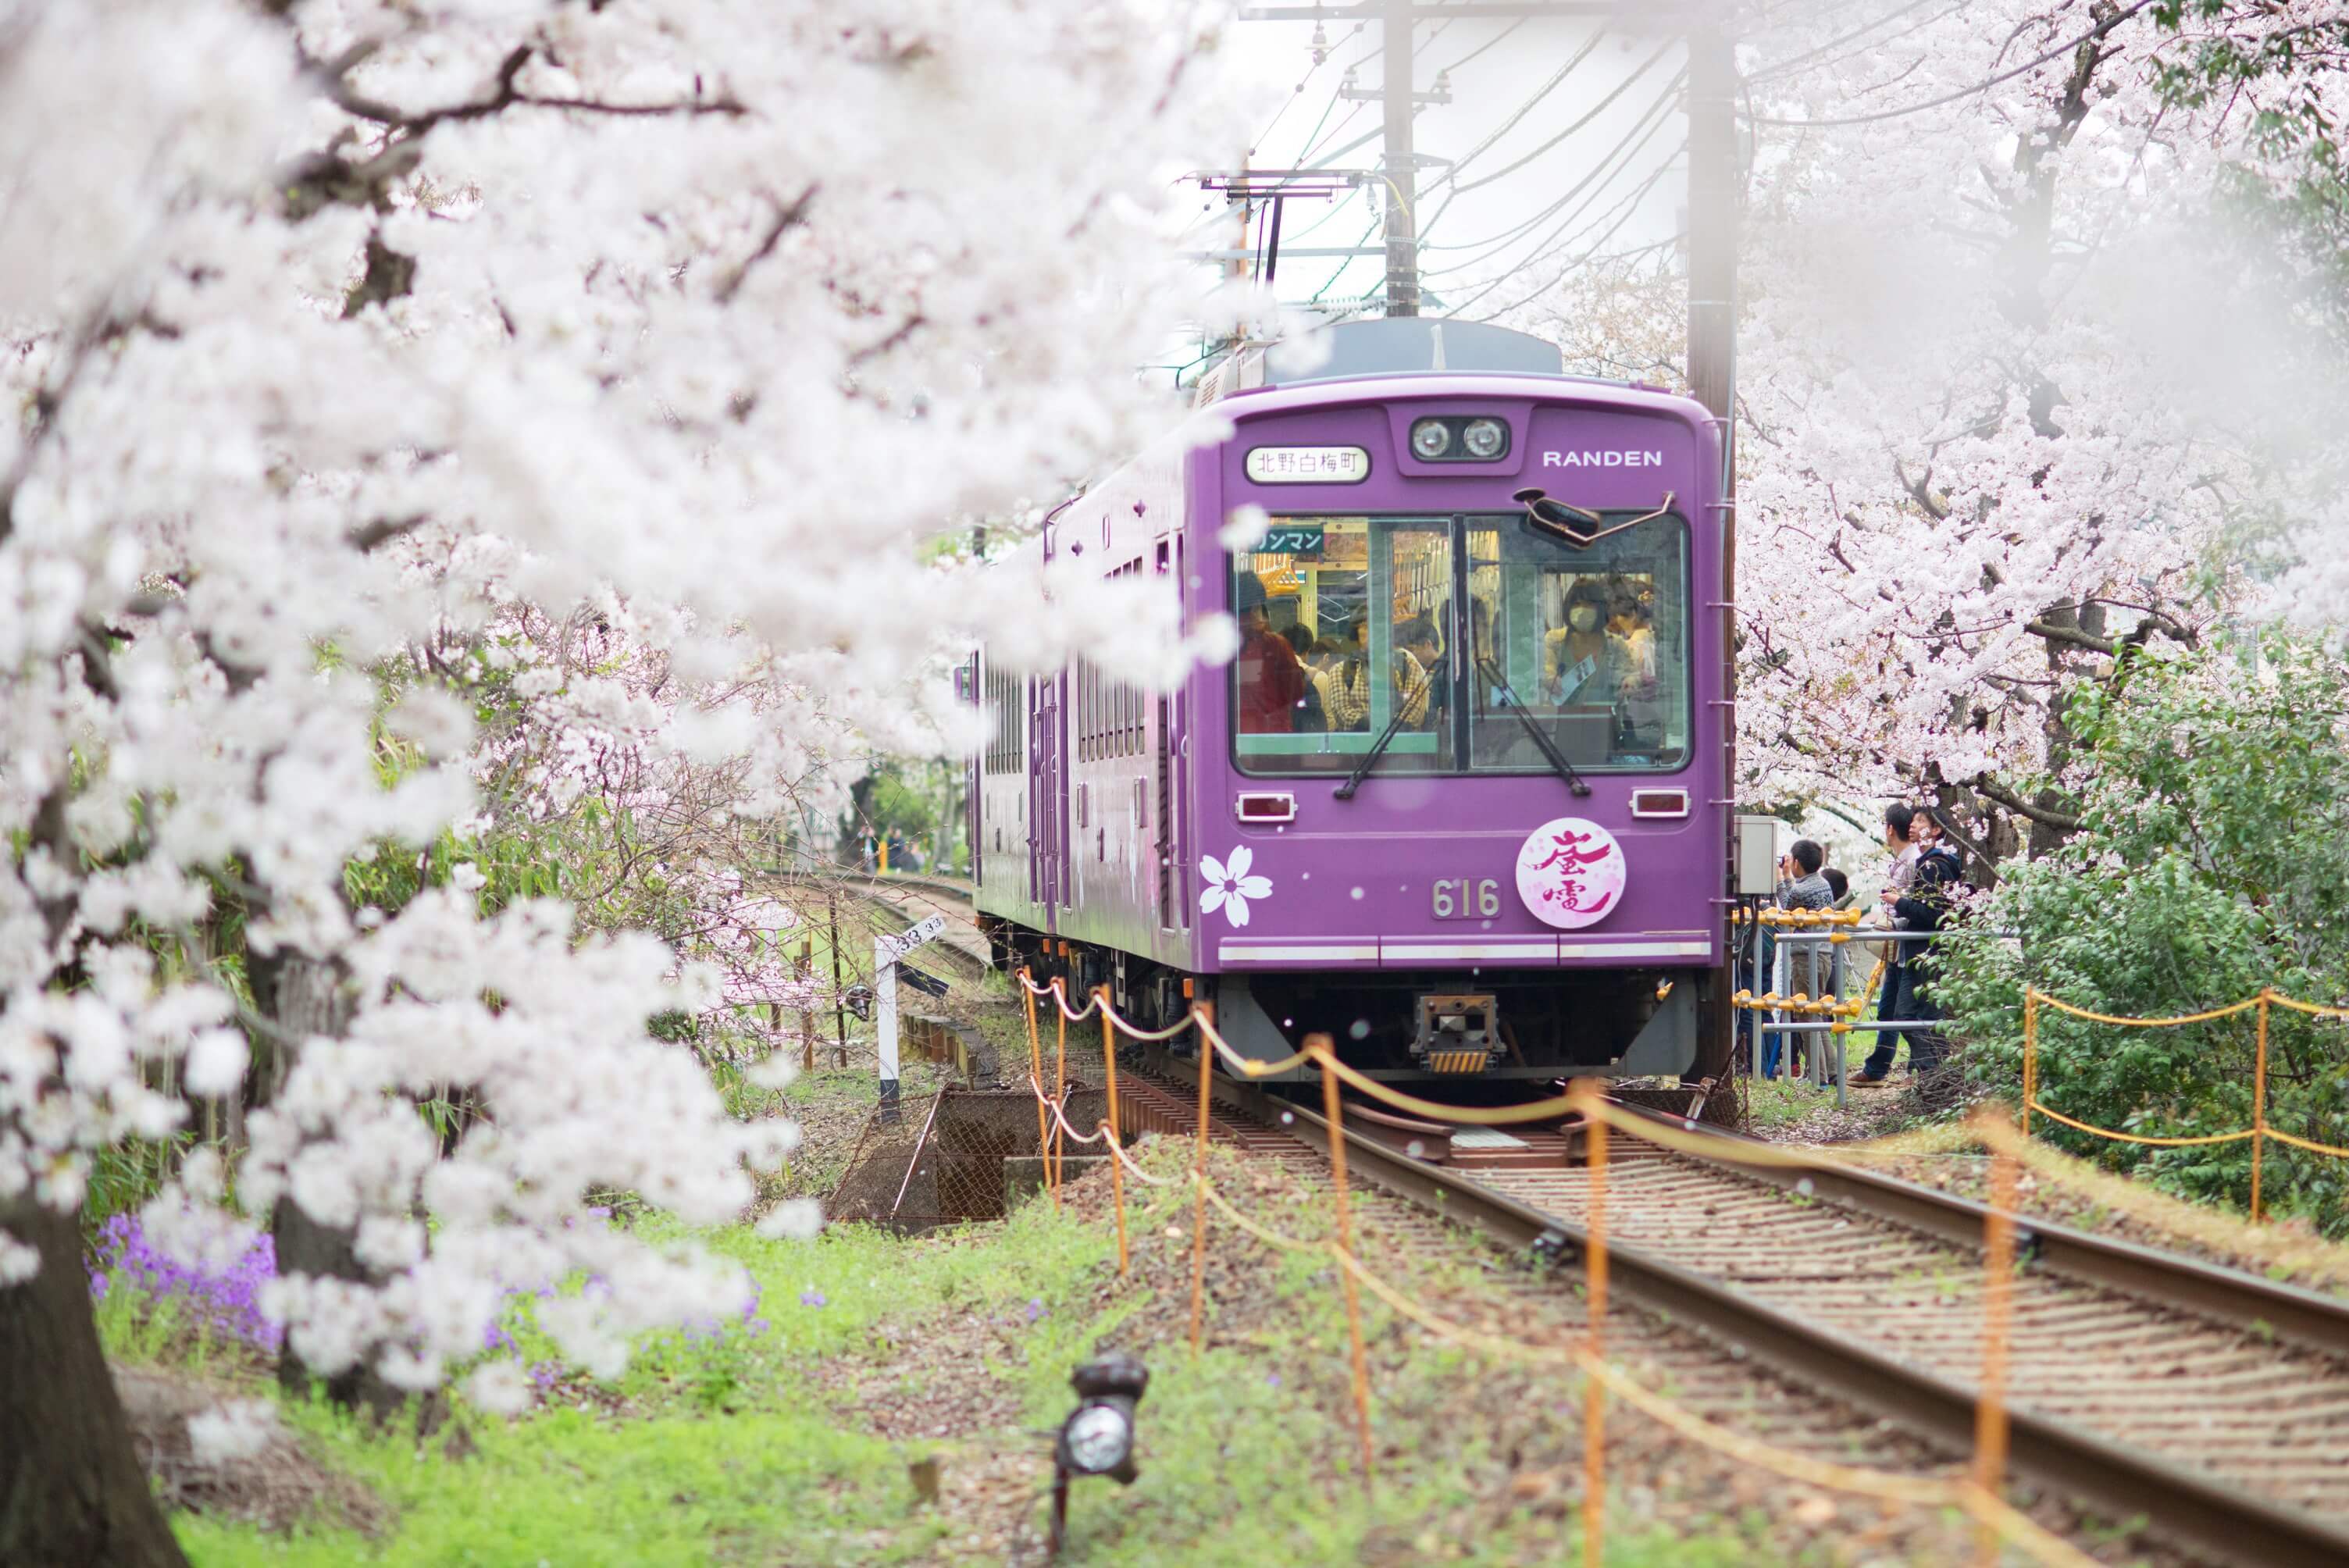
(567, 1487)
(738, 1450)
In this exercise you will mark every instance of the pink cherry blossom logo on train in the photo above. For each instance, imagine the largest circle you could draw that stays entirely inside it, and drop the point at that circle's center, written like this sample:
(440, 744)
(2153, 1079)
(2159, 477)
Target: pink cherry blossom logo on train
(1570, 872)
(1229, 886)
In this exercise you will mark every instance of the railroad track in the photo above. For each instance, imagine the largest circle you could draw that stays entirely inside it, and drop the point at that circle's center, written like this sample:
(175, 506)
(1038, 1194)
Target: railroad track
(2211, 1405)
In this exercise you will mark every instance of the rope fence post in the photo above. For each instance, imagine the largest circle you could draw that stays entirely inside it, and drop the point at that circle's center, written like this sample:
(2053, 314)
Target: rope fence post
(1205, 1012)
(2030, 1052)
(1998, 1307)
(1594, 1393)
(1060, 1091)
(2259, 1100)
(1318, 1046)
(1116, 1166)
(1036, 1077)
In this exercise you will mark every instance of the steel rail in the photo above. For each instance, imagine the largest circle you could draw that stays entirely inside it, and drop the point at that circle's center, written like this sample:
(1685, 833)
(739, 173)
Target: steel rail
(2258, 1306)
(2199, 1512)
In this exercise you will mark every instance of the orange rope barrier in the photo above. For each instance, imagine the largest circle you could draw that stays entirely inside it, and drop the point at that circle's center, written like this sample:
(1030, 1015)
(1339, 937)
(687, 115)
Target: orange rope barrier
(1059, 1152)
(2332, 1149)
(1205, 1012)
(1594, 1394)
(1319, 1046)
(2259, 1132)
(2311, 1008)
(2227, 1012)
(1035, 1076)
(2236, 1137)
(1116, 1170)
(2000, 1520)
(1998, 1307)
(2259, 1105)
(2030, 1054)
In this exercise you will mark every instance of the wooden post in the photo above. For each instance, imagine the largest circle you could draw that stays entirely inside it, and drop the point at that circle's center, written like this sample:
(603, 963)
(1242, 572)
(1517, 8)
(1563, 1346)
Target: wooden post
(1998, 1307)
(1116, 1165)
(1036, 1080)
(1059, 1089)
(1319, 1046)
(1205, 1012)
(2030, 1053)
(1594, 1394)
(806, 972)
(2260, 1102)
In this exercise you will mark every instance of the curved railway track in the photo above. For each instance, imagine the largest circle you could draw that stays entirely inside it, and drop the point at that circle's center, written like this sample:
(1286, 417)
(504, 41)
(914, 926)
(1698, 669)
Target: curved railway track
(2211, 1405)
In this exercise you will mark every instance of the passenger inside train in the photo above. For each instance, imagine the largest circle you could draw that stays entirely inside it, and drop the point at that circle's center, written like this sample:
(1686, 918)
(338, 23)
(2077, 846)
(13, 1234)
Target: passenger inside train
(1589, 644)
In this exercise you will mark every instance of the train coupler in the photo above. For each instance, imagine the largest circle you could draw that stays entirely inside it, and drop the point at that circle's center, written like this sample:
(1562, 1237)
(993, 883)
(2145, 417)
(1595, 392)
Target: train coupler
(1457, 1032)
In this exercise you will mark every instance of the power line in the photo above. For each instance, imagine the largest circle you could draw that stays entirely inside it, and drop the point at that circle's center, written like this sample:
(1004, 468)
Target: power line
(1600, 107)
(1523, 110)
(1582, 260)
(1630, 206)
(1766, 72)
(1488, 44)
(1614, 218)
(2090, 37)
(1633, 139)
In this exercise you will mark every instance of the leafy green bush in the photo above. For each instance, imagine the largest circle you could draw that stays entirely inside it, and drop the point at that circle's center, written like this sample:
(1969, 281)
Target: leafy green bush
(2214, 860)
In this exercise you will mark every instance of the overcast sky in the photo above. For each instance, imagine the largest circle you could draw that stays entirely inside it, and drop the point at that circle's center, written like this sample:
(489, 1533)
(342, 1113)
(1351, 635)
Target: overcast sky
(1616, 182)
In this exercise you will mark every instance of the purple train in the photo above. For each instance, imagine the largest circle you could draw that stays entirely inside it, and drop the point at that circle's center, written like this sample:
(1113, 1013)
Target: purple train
(1460, 800)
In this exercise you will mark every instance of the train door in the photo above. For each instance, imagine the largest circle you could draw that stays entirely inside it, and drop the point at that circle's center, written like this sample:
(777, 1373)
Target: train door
(1048, 801)
(1172, 769)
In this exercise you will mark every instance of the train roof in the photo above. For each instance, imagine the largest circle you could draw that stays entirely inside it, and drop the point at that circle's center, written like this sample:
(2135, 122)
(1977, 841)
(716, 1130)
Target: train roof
(1386, 347)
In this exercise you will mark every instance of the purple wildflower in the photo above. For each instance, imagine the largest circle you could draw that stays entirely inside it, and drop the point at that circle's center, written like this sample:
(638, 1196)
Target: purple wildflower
(1035, 1307)
(223, 1299)
(811, 1297)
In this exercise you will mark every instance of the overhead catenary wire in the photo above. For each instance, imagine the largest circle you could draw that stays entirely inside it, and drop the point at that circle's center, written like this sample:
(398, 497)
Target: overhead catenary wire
(2100, 30)
(1557, 78)
(1589, 254)
(1608, 167)
(1781, 68)
(1596, 110)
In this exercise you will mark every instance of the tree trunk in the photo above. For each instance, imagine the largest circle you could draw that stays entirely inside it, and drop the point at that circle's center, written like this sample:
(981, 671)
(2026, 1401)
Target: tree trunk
(2065, 664)
(72, 1490)
(305, 997)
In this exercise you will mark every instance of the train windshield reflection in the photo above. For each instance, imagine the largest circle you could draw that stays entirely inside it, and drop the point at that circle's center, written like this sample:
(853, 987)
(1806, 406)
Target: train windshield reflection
(1353, 625)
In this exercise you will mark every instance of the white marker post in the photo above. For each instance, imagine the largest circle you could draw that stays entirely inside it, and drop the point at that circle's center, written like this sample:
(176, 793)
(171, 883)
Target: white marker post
(886, 950)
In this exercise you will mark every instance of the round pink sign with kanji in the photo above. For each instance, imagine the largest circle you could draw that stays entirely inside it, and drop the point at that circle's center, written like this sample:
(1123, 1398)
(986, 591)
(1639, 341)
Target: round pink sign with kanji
(1571, 872)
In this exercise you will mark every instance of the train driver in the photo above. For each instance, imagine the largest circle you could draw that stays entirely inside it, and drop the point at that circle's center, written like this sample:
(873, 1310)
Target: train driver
(1271, 681)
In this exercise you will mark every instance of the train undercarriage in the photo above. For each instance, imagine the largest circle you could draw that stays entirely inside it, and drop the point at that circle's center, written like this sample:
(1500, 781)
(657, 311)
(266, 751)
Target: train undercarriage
(1462, 1027)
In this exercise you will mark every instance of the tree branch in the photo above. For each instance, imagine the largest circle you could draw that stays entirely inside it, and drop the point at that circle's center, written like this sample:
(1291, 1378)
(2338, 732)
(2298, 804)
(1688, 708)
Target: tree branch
(2074, 635)
(786, 219)
(505, 95)
(382, 530)
(1991, 788)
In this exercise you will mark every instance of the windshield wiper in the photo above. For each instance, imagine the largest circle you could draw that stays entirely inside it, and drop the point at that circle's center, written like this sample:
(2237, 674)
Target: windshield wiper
(1363, 768)
(1548, 748)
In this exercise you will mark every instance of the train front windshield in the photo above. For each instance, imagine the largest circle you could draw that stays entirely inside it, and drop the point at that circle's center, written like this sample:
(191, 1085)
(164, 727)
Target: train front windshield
(1446, 636)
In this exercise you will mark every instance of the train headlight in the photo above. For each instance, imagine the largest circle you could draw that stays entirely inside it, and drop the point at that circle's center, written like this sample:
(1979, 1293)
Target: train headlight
(1430, 438)
(1485, 437)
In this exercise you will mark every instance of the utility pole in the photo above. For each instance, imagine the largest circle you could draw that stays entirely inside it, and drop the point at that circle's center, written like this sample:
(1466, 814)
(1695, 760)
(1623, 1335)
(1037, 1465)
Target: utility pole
(1712, 381)
(1401, 166)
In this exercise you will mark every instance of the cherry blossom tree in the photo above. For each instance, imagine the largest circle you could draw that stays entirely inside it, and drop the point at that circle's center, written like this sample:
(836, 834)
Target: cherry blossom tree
(343, 337)
(2027, 389)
